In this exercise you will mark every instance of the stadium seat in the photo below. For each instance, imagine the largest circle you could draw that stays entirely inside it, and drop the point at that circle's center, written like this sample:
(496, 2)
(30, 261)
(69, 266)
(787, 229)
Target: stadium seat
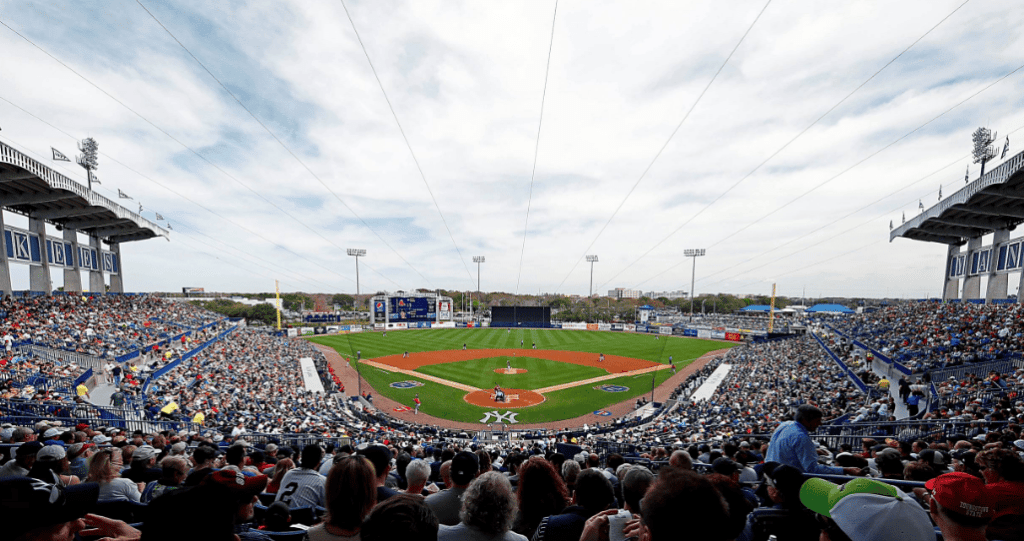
(266, 498)
(293, 535)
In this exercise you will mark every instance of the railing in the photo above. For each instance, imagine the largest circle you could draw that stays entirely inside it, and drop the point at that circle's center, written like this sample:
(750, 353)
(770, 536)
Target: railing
(876, 353)
(174, 364)
(960, 371)
(846, 369)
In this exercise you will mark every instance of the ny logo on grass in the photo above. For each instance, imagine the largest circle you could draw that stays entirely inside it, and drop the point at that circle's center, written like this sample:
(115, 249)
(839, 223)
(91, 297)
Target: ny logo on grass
(506, 417)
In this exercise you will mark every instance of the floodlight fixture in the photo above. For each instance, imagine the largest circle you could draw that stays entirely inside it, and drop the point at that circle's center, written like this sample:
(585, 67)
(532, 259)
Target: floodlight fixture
(478, 259)
(592, 259)
(357, 253)
(694, 253)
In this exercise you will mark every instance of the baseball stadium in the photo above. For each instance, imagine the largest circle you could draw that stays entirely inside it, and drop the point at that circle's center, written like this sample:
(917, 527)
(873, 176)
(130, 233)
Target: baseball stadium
(289, 271)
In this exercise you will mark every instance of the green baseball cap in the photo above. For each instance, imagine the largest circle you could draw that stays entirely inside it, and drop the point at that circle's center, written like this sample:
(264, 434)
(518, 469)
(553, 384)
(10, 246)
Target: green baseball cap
(821, 496)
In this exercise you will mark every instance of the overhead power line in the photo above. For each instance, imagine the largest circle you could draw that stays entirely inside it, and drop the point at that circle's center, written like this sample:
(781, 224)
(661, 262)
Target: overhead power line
(663, 146)
(536, 146)
(284, 146)
(406, 139)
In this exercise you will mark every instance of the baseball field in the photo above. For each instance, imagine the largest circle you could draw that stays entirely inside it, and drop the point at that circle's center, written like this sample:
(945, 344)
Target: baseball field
(455, 371)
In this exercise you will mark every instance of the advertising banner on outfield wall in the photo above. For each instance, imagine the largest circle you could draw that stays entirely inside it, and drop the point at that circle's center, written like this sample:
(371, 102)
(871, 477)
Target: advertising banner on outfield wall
(333, 329)
(292, 333)
(397, 326)
(591, 326)
(604, 326)
(703, 333)
(641, 328)
(690, 332)
(443, 325)
(665, 330)
(629, 327)
(734, 336)
(307, 331)
(617, 326)
(718, 335)
(379, 326)
(574, 326)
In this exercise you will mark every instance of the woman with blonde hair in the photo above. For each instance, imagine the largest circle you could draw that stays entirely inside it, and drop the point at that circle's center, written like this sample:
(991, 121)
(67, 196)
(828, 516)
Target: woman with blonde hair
(105, 469)
(280, 469)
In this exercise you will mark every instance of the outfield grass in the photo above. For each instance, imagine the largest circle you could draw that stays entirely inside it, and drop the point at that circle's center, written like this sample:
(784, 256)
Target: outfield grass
(540, 372)
(447, 403)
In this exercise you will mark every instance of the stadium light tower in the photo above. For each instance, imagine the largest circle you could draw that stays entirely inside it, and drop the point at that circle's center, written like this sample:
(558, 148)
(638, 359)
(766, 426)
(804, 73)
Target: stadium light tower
(478, 259)
(357, 252)
(592, 259)
(695, 253)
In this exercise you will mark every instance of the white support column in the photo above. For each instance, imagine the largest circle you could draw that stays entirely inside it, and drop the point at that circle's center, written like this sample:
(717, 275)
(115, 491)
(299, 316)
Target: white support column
(96, 284)
(116, 280)
(951, 288)
(996, 288)
(73, 275)
(39, 275)
(972, 284)
(5, 268)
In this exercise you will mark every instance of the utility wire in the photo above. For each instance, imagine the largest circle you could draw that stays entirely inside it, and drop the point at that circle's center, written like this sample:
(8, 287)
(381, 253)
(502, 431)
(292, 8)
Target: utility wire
(536, 147)
(284, 146)
(848, 169)
(663, 147)
(787, 144)
(406, 139)
(176, 140)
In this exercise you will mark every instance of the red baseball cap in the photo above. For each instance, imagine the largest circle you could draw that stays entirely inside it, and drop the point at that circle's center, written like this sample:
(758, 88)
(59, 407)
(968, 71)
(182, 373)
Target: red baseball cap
(961, 493)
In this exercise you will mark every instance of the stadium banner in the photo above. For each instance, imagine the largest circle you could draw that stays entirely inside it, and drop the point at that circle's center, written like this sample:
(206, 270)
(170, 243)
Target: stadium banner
(665, 330)
(690, 332)
(333, 329)
(398, 326)
(443, 325)
(461, 325)
(591, 326)
(444, 310)
(572, 325)
(617, 326)
(405, 309)
(718, 335)
(379, 326)
(471, 324)
(629, 327)
(733, 336)
(703, 333)
(306, 331)
(292, 333)
(556, 326)
(355, 328)
(604, 326)
(59, 253)
(344, 328)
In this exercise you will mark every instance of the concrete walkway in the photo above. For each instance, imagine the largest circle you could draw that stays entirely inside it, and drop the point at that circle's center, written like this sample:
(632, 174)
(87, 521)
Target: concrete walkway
(893, 375)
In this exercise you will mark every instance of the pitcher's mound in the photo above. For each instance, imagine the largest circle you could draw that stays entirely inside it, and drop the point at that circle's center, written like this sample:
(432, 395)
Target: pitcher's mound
(511, 371)
(514, 398)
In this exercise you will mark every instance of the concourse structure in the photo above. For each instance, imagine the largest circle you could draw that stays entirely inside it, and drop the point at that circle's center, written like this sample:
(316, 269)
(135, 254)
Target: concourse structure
(992, 204)
(44, 196)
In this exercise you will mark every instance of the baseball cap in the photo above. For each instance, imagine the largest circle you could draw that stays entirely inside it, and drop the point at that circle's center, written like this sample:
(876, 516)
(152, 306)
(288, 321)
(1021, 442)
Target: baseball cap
(179, 448)
(29, 448)
(1019, 444)
(465, 466)
(378, 455)
(144, 452)
(27, 504)
(242, 486)
(51, 452)
(935, 458)
(51, 433)
(783, 477)
(100, 439)
(868, 510)
(961, 493)
(724, 466)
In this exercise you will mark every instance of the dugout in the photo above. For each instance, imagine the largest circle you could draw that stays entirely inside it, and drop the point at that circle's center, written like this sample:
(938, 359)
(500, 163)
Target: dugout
(521, 316)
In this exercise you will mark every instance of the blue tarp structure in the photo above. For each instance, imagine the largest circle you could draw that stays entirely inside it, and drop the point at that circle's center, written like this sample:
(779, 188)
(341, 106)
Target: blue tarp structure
(647, 307)
(756, 308)
(829, 309)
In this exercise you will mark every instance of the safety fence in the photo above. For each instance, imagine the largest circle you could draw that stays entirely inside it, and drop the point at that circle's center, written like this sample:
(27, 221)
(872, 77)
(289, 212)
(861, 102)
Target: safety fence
(885, 359)
(188, 355)
(846, 369)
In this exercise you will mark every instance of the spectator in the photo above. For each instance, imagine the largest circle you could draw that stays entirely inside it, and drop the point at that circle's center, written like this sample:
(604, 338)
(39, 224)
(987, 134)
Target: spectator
(593, 494)
(32, 510)
(243, 494)
(277, 473)
(488, 509)
(786, 517)
(202, 464)
(304, 486)
(416, 475)
(447, 503)
(634, 486)
(52, 467)
(351, 494)
(541, 492)
(380, 457)
(681, 459)
(105, 470)
(570, 472)
(680, 500)
(278, 518)
(174, 470)
(866, 510)
(1003, 471)
(24, 458)
(404, 517)
(143, 466)
(960, 506)
(791, 444)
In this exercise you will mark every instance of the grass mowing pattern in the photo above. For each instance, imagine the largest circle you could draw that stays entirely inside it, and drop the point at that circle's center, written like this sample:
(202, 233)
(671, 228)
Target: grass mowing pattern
(540, 372)
(447, 403)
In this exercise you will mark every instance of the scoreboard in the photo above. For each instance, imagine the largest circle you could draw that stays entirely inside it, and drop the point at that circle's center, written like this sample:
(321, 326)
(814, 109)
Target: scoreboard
(405, 309)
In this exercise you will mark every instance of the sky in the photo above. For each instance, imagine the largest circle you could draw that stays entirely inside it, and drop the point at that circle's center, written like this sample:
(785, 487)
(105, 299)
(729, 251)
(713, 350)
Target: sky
(782, 137)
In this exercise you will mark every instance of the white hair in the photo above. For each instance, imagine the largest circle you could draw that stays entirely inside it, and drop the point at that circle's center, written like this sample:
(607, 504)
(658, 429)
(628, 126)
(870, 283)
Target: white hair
(417, 472)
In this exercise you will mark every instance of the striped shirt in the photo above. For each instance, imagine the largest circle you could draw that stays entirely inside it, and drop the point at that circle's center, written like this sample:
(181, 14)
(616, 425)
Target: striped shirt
(302, 487)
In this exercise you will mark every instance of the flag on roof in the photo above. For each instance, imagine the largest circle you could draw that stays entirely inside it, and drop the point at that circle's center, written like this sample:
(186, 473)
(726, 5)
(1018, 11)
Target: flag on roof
(159, 217)
(59, 156)
(1006, 147)
(122, 195)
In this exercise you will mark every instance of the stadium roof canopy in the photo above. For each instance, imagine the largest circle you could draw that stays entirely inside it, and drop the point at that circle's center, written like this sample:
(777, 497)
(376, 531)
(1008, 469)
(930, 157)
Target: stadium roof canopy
(756, 308)
(829, 309)
(32, 189)
(994, 201)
